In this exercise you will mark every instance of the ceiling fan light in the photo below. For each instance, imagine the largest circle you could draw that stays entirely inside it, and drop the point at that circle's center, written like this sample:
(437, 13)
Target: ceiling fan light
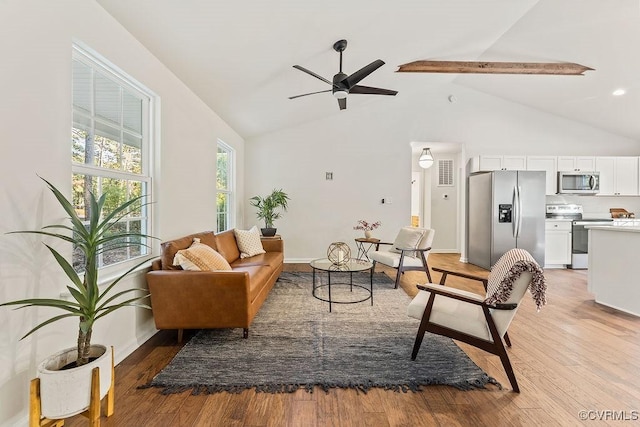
(340, 94)
(426, 159)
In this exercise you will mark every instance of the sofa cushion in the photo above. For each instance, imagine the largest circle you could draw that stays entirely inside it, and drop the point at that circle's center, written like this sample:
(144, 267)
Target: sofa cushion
(200, 257)
(171, 247)
(249, 242)
(258, 277)
(272, 259)
(227, 246)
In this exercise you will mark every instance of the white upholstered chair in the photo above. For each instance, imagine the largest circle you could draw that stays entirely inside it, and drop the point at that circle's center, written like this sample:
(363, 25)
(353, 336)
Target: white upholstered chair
(409, 251)
(480, 320)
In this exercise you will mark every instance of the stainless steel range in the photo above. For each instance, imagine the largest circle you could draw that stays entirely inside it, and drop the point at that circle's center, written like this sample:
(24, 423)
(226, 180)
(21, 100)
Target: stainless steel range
(580, 223)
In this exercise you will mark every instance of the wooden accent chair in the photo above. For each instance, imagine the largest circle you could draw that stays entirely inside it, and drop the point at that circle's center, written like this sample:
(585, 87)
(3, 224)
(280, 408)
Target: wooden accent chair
(481, 321)
(409, 251)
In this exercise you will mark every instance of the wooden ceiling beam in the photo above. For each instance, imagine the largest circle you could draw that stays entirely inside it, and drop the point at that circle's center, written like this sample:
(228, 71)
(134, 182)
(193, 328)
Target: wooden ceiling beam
(484, 67)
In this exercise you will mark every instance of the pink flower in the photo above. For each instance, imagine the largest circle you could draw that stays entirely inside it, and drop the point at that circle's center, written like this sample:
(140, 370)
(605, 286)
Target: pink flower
(367, 226)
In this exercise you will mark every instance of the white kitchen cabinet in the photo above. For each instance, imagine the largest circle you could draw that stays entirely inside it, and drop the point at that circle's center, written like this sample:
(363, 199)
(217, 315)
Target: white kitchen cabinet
(549, 165)
(576, 163)
(498, 162)
(618, 176)
(557, 248)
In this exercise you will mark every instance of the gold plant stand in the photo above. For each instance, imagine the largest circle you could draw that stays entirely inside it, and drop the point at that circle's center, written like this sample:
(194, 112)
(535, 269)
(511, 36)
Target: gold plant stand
(94, 411)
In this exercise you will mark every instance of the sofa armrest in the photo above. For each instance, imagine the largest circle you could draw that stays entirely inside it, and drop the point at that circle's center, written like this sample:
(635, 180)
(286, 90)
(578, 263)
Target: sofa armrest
(198, 299)
(273, 245)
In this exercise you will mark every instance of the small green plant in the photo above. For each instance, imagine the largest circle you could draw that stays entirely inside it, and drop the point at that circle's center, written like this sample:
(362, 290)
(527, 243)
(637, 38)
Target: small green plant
(268, 206)
(98, 236)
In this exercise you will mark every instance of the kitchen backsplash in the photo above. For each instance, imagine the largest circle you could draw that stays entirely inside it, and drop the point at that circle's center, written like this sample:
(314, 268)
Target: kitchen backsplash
(598, 204)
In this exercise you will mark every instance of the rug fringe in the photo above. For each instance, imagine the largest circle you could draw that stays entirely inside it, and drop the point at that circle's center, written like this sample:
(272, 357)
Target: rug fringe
(412, 386)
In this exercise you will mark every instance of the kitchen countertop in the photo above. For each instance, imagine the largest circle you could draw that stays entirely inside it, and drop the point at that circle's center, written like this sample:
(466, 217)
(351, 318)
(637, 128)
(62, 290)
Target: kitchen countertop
(623, 228)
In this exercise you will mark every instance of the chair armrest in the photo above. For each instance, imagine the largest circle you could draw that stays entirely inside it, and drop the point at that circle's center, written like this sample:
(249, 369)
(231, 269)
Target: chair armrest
(382, 243)
(451, 293)
(414, 250)
(445, 273)
(455, 294)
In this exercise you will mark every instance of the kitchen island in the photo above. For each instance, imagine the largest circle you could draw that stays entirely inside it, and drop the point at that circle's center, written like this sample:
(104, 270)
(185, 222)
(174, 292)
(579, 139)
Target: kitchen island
(614, 268)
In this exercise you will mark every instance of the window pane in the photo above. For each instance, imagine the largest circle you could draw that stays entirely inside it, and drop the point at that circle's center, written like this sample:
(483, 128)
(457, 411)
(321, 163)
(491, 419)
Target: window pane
(79, 141)
(81, 86)
(107, 147)
(222, 209)
(132, 154)
(222, 170)
(132, 108)
(108, 102)
(118, 191)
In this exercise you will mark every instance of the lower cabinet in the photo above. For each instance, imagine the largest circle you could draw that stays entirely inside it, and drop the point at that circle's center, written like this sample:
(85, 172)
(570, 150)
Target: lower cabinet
(557, 248)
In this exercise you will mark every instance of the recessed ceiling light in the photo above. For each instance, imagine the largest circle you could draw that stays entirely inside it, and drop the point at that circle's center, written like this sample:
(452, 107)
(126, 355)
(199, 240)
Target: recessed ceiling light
(619, 92)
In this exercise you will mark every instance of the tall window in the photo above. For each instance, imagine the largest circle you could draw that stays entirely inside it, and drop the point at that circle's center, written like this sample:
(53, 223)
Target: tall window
(110, 147)
(224, 186)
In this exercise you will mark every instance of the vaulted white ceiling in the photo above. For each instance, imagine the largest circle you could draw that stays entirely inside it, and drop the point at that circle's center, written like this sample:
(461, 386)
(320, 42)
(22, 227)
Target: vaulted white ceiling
(237, 56)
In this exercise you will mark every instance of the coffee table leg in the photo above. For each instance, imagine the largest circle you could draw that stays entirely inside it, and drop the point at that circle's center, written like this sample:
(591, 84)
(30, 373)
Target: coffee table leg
(329, 286)
(371, 284)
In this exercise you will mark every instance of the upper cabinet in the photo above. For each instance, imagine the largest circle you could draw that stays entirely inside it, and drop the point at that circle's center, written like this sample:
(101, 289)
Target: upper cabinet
(576, 163)
(618, 176)
(496, 163)
(549, 165)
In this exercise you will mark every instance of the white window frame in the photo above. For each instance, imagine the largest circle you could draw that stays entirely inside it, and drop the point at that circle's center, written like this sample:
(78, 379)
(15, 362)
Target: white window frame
(100, 64)
(230, 192)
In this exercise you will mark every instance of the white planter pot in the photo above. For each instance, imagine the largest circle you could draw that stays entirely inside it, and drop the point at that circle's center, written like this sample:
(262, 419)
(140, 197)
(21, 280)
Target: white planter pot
(67, 393)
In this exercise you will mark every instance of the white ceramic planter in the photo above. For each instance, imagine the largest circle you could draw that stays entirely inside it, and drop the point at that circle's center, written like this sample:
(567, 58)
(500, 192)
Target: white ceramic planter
(67, 393)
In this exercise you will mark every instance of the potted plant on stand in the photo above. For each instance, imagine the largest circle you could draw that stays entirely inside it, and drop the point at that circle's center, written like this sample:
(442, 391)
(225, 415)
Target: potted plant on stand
(267, 209)
(65, 378)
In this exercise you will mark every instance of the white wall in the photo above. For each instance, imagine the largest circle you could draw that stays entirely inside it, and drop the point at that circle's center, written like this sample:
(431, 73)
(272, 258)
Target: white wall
(35, 107)
(368, 149)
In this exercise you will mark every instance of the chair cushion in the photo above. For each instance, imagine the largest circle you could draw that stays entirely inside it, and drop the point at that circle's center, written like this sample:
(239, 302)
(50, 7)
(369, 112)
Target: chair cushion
(407, 238)
(448, 312)
(392, 259)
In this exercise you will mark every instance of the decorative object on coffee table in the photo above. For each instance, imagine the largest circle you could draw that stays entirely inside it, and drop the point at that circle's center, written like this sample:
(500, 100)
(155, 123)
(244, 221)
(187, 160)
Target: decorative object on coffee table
(267, 209)
(339, 253)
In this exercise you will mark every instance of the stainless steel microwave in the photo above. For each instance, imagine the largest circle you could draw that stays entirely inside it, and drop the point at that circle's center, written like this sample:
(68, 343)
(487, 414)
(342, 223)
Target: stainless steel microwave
(578, 182)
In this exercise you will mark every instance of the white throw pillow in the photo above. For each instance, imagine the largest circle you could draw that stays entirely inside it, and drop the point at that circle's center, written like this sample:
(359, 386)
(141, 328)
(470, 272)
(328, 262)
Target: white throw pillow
(200, 257)
(249, 242)
(408, 238)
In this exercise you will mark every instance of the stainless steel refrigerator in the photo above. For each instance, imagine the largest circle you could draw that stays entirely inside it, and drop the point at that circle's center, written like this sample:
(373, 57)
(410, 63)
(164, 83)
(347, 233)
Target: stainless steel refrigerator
(506, 210)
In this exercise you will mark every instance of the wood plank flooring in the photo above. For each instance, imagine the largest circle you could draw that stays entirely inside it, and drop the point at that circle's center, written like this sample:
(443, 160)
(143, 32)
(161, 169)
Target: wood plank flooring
(574, 355)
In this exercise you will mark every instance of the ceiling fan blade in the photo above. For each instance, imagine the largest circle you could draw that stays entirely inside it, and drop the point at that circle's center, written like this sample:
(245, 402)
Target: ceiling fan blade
(342, 102)
(311, 93)
(480, 67)
(311, 73)
(363, 72)
(366, 90)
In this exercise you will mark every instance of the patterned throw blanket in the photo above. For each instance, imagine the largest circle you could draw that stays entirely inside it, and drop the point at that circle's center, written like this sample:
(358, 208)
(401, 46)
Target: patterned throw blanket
(507, 270)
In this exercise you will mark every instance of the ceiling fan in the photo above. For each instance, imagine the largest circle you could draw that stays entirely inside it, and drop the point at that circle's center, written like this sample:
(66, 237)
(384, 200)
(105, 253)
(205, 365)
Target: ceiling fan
(343, 84)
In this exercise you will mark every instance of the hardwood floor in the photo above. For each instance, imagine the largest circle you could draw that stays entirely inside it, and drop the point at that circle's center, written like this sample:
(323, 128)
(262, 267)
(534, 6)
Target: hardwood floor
(572, 356)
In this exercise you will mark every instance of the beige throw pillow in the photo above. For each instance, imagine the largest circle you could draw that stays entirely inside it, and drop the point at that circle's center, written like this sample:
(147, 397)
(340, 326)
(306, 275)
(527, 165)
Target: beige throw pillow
(200, 257)
(408, 238)
(249, 242)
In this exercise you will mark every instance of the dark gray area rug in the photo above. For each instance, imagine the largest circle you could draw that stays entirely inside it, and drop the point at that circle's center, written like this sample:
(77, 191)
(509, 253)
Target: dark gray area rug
(294, 342)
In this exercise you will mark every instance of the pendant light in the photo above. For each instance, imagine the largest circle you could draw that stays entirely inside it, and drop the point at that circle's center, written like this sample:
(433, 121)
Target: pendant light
(426, 159)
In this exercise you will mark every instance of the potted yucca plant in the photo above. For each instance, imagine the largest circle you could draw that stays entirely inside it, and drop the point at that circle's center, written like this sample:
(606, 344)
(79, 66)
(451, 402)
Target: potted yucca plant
(268, 209)
(96, 235)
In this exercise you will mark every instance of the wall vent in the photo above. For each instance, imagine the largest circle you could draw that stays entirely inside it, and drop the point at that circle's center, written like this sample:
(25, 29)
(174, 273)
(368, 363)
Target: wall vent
(445, 173)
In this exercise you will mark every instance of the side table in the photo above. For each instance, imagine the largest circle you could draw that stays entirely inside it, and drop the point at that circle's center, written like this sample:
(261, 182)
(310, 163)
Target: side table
(364, 245)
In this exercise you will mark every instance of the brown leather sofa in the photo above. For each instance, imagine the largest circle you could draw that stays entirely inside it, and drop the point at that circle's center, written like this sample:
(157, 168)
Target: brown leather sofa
(212, 299)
